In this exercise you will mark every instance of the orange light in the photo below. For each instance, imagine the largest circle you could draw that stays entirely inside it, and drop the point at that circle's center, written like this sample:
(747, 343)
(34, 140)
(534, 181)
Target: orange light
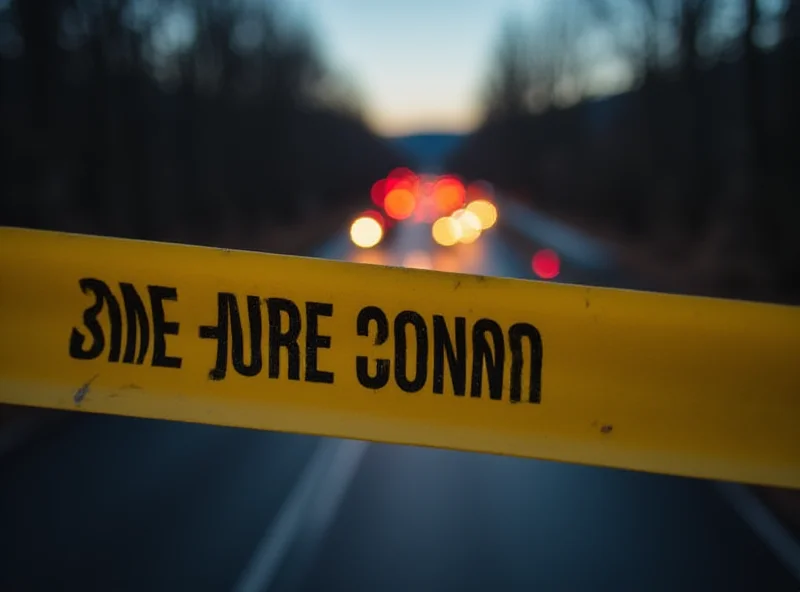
(448, 194)
(485, 211)
(546, 264)
(366, 232)
(399, 204)
(446, 231)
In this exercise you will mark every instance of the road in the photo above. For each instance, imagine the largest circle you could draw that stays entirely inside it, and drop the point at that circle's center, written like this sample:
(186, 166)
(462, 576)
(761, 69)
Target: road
(110, 503)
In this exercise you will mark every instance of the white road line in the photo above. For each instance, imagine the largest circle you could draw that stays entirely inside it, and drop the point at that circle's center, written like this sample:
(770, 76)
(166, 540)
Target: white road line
(764, 523)
(313, 502)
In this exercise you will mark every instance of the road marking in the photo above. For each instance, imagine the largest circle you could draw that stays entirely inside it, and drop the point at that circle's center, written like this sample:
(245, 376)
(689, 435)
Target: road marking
(312, 503)
(769, 529)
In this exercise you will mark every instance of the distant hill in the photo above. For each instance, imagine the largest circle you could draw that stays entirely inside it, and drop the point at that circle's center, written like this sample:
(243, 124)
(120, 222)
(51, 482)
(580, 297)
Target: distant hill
(428, 151)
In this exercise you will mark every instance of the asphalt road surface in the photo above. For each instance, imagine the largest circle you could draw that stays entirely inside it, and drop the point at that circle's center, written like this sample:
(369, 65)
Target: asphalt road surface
(110, 503)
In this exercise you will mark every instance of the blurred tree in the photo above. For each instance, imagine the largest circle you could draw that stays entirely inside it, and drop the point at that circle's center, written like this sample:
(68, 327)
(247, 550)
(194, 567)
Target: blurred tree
(510, 80)
(39, 22)
(685, 136)
(191, 118)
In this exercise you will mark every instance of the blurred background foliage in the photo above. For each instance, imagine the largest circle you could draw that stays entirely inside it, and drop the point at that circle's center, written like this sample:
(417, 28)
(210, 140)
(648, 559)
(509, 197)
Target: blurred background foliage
(205, 121)
(694, 162)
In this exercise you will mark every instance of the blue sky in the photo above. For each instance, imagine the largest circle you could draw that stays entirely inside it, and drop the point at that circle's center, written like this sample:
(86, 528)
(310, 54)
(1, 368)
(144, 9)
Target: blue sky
(417, 64)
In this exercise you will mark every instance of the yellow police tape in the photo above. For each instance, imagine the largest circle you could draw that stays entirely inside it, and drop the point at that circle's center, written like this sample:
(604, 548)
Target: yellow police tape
(672, 384)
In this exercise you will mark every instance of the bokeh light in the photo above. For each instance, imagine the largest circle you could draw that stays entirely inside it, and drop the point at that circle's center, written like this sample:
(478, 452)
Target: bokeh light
(448, 194)
(401, 178)
(378, 192)
(546, 264)
(377, 216)
(446, 231)
(470, 226)
(399, 204)
(485, 211)
(401, 173)
(366, 232)
(426, 210)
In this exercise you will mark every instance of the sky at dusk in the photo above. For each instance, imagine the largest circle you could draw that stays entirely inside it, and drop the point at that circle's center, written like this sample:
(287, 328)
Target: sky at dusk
(417, 64)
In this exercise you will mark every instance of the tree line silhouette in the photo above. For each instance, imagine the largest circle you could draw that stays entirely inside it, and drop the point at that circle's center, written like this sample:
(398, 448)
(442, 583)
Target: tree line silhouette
(205, 121)
(694, 162)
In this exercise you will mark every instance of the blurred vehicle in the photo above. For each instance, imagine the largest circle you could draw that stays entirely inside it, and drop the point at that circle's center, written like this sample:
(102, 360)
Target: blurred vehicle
(457, 214)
